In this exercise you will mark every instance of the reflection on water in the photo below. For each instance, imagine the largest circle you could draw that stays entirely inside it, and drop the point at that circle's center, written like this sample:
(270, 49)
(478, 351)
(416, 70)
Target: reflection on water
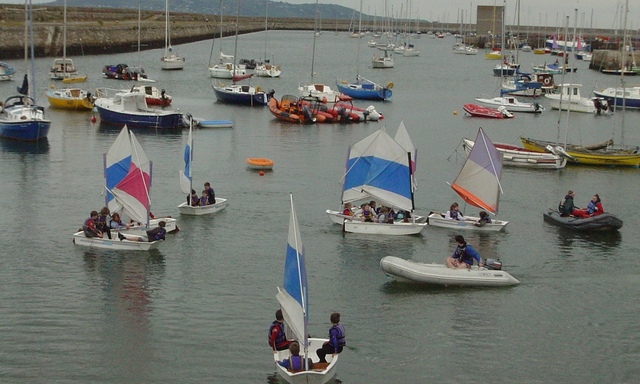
(127, 280)
(606, 241)
(115, 129)
(17, 146)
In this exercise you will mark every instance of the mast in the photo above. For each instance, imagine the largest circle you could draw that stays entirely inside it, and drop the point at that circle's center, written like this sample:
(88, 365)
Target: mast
(266, 27)
(313, 55)
(359, 38)
(32, 85)
(234, 69)
(64, 41)
(139, 16)
(624, 41)
(166, 27)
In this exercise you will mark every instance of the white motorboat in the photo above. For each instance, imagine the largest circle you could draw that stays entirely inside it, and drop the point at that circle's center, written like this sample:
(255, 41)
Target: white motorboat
(568, 97)
(438, 274)
(511, 103)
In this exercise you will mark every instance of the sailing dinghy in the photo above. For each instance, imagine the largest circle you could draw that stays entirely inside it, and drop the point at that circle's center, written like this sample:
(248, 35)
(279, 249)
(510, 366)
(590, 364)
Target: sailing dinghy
(478, 183)
(379, 168)
(129, 194)
(186, 183)
(293, 299)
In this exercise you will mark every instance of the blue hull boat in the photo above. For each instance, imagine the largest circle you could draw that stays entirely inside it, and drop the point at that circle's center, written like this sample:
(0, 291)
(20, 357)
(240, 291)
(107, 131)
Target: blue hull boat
(363, 89)
(130, 108)
(23, 121)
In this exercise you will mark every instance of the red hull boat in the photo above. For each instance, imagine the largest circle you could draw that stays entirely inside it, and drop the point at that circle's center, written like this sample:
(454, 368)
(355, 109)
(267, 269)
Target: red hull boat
(481, 111)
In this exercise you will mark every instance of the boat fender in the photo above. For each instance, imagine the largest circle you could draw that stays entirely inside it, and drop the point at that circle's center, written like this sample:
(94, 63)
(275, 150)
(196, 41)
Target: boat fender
(493, 264)
(389, 85)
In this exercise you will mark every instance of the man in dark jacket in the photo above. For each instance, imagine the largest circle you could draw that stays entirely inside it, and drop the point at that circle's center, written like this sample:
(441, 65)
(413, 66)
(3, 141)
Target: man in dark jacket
(567, 205)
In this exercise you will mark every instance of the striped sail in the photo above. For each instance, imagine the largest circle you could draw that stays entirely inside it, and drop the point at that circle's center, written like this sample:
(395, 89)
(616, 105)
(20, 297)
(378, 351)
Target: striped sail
(478, 182)
(117, 161)
(403, 138)
(185, 175)
(378, 167)
(293, 297)
(132, 192)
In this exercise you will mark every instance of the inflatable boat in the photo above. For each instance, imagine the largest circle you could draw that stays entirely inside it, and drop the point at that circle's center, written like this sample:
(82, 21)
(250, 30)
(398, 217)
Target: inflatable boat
(603, 222)
(438, 274)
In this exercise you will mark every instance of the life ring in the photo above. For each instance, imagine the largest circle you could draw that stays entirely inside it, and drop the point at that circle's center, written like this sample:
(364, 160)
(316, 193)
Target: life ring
(389, 85)
(546, 81)
(258, 89)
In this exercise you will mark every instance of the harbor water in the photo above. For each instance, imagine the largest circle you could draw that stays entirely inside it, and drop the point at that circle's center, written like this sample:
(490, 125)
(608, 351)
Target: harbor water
(197, 310)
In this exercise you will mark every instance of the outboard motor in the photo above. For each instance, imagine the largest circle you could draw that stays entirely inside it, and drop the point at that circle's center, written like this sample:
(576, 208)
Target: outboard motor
(493, 264)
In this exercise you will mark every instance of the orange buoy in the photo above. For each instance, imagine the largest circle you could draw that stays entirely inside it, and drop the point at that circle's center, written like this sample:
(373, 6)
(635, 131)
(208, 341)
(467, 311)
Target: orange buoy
(261, 173)
(93, 119)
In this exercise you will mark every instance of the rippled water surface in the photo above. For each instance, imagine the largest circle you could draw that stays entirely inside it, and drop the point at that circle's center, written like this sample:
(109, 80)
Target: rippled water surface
(198, 309)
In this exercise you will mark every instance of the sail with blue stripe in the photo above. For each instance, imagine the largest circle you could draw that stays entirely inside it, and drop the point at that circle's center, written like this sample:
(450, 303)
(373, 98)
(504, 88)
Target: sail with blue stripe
(478, 182)
(186, 179)
(379, 167)
(293, 297)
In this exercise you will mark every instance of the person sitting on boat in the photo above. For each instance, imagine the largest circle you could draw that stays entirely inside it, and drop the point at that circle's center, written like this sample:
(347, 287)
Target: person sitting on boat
(347, 210)
(382, 215)
(157, 233)
(211, 194)
(566, 207)
(193, 199)
(484, 219)
(89, 226)
(117, 223)
(204, 200)
(103, 221)
(277, 336)
(390, 216)
(367, 213)
(295, 362)
(594, 208)
(336, 341)
(374, 207)
(453, 213)
(463, 255)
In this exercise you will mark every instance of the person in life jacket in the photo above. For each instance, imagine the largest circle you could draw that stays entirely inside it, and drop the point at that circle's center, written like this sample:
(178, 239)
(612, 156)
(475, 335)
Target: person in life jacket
(158, 232)
(463, 255)
(336, 339)
(89, 226)
(295, 362)
(277, 337)
(594, 208)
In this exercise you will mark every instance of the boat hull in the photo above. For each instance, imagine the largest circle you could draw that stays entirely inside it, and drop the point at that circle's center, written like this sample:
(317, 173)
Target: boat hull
(437, 220)
(618, 158)
(314, 376)
(364, 91)
(599, 223)
(259, 163)
(215, 124)
(186, 209)
(438, 274)
(337, 217)
(234, 95)
(630, 98)
(25, 130)
(143, 119)
(115, 244)
(395, 229)
(64, 99)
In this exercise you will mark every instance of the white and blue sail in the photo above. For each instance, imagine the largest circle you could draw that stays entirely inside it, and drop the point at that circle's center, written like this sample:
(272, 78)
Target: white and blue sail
(293, 296)
(186, 180)
(379, 167)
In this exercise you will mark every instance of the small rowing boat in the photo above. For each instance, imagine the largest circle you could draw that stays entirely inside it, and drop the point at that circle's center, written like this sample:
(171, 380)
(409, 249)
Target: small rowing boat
(260, 163)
